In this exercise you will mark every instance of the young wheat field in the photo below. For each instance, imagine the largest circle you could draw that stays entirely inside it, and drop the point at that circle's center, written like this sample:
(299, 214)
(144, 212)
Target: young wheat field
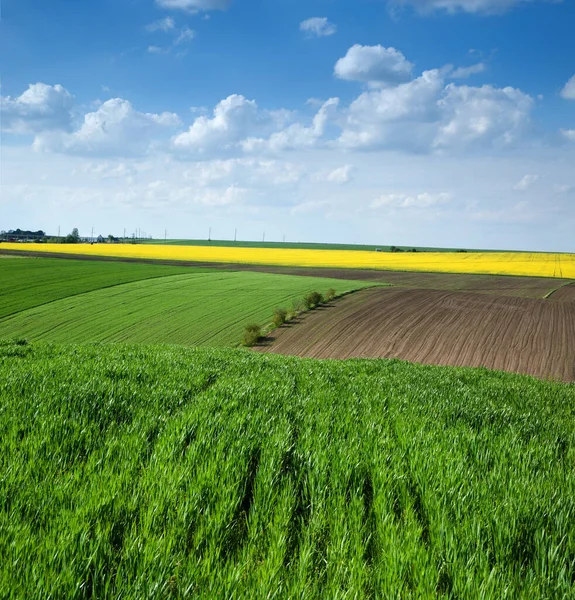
(165, 472)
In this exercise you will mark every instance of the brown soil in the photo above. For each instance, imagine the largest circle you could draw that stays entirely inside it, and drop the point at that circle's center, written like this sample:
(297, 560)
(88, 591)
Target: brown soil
(565, 293)
(535, 337)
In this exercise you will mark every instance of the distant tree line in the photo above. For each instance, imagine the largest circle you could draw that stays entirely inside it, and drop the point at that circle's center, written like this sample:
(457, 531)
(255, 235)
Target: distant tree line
(22, 234)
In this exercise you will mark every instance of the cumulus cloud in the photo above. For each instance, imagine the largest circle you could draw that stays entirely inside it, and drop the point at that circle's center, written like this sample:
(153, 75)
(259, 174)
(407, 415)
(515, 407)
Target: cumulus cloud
(525, 183)
(424, 115)
(318, 27)
(568, 91)
(568, 134)
(234, 119)
(488, 7)
(465, 72)
(296, 135)
(423, 200)
(40, 108)
(116, 128)
(374, 65)
(404, 116)
(482, 115)
(194, 5)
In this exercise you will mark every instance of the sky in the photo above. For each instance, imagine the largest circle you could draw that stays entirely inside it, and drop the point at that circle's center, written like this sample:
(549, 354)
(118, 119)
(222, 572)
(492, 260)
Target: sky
(442, 123)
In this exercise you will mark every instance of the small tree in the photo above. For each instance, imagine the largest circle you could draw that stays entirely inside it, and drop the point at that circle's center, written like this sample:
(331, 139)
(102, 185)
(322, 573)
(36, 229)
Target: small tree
(330, 294)
(280, 316)
(252, 334)
(312, 300)
(72, 238)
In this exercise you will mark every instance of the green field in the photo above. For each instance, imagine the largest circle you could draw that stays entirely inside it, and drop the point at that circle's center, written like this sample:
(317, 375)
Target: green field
(197, 308)
(298, 245)
(28, 282)
(165, 472)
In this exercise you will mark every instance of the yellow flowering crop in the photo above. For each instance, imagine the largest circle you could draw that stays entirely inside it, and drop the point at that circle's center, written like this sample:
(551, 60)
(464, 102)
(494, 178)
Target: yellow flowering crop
(496, 263)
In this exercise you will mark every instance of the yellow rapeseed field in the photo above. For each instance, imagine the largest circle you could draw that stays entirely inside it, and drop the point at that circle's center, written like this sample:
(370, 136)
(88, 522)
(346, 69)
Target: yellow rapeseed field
(497, 263)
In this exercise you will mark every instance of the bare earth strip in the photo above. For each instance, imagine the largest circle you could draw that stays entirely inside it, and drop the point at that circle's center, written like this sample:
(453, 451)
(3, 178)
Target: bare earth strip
(502, 285)
(535, 337)
(565, 293)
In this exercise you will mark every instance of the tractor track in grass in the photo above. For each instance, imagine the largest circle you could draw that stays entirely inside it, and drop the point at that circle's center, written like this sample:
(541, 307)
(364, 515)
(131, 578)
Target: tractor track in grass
(523, 335)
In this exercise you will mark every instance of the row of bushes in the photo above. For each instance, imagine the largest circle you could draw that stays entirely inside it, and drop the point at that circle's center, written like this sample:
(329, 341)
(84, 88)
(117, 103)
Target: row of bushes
(254, 332)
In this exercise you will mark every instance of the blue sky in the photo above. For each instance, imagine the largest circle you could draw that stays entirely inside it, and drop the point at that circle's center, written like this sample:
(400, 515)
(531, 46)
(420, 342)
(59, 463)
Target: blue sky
(421, 122)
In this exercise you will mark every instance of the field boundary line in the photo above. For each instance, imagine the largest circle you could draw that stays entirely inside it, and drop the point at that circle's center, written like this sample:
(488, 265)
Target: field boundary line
(549, 294)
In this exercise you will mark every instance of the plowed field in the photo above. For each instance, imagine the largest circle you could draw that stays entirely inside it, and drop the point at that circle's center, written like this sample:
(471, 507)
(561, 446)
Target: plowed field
(501, 285)
(564, 294)
(535, 337)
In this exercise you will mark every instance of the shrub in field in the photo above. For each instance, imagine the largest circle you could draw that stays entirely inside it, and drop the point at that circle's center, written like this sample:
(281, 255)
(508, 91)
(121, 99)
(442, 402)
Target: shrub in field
(330, 294)
(252, 334)
(280, 316)
(297, 307)
(312, 300)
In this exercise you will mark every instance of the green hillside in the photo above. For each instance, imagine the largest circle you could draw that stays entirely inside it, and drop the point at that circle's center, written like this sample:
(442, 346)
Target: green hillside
(28, 282)
(197, 308)
(164, 472)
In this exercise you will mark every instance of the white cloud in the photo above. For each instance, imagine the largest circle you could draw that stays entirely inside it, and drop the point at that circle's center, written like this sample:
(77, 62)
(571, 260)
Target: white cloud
(423, 200)
(296, 135)
(185, 35)
(179, 36)
(194, 5)
(116, 128)
(109, 170)
(374, 65)
(489, 7)
(40, 108)
(465, 72)
(234, 119)
(525, 183)
(568, 91)
(162, 25)
(482, 115)
(404, 116)
(568, 134)
(338, 176)
(563, 188)
(245, 172)
(318, 26)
